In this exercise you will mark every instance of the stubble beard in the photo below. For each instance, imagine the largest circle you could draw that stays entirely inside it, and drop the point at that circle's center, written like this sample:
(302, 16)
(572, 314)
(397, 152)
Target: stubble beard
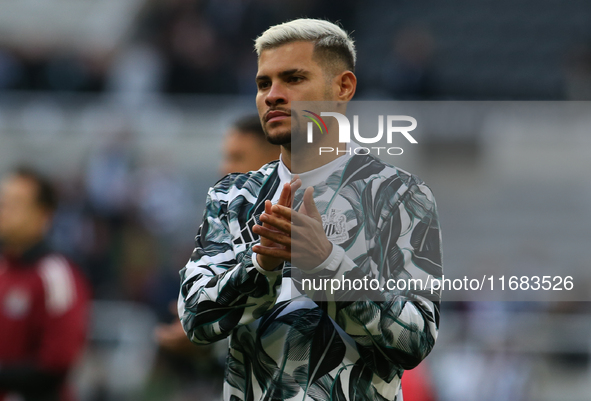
(279, 138)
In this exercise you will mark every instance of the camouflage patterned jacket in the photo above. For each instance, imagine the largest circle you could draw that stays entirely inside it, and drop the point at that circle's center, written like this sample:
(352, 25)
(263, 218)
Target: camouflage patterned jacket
(294, 343)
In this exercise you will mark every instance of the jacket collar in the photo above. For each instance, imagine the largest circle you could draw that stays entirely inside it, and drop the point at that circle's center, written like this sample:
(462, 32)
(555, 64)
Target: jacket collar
(31, 255)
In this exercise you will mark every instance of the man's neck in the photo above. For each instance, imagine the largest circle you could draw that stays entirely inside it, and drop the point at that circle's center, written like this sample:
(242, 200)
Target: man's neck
(307, 161)
(20, 250)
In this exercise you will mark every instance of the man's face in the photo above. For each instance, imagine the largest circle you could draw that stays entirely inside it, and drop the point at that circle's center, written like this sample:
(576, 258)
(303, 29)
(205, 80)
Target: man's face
(288, 73)
(22, 220)
(245, 151)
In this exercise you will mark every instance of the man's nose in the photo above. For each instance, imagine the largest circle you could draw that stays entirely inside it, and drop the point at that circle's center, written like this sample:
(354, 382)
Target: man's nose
(276, 95)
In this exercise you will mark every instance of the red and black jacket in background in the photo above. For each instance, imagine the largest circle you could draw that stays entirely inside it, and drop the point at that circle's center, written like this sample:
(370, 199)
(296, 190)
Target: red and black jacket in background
(44, 303)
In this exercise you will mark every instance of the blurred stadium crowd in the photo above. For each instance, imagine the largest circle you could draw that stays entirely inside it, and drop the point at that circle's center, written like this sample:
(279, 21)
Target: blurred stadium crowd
(180, 46)
(420, 50)
(128, 218)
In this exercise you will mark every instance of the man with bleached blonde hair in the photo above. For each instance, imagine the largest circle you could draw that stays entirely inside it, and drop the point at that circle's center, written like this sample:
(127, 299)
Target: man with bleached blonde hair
(262, 237)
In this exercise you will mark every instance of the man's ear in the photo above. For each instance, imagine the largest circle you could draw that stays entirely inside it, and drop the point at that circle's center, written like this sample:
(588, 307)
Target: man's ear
(347, 82)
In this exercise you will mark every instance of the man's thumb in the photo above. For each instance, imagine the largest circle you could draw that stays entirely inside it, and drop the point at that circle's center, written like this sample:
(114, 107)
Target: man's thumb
(309, 204)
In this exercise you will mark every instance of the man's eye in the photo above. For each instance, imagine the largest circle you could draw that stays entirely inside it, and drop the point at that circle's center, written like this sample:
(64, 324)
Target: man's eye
(294, 79)
(263, 85)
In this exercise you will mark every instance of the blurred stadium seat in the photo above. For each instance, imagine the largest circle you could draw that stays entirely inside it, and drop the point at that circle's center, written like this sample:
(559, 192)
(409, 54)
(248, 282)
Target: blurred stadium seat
(83, 25)
(120, 352)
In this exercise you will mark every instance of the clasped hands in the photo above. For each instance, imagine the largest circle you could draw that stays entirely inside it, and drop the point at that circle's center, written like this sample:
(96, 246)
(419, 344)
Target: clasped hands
(286, 234)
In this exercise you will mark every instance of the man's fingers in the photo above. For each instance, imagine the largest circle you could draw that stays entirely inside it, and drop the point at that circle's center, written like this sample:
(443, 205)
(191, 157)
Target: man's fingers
(285, 195)
(296, 183)
(277, 222)
(277, 237)
(279, 253)
(268, 206)
(310, 205)
(288, 191)
(297, 218)
(282, 211)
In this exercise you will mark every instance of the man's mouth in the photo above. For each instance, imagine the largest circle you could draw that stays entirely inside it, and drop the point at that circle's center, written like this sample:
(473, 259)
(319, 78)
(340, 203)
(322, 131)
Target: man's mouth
(276, 115)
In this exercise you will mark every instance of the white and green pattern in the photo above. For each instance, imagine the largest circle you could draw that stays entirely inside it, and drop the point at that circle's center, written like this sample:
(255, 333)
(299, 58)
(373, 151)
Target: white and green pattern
(287, 344)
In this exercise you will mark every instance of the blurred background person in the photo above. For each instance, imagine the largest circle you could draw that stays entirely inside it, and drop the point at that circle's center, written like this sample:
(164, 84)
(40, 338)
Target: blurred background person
(245, 147)
(417, 384)
(43, 298)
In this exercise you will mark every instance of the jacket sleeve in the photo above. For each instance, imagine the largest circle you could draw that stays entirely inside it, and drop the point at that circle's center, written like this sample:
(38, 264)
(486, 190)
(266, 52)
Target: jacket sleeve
(67, 310)
(394, 329)
(222, 289)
